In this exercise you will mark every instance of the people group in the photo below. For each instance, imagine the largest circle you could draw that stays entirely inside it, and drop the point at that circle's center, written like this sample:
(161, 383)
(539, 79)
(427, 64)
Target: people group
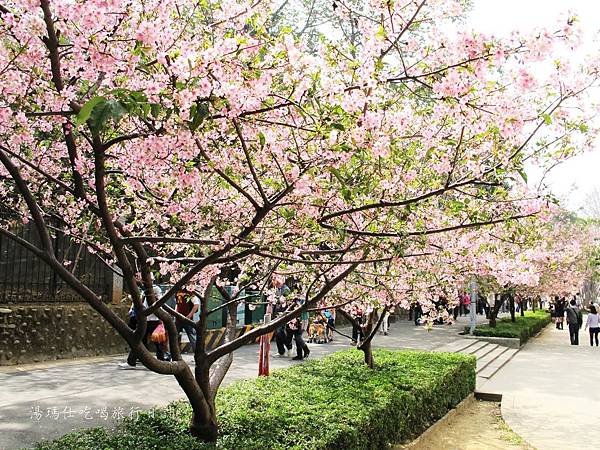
(571, 311)
(186, 305)
(320, 328)
(291, 332)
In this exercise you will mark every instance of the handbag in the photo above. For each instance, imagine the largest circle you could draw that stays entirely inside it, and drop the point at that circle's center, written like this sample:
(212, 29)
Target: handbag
(159, 335)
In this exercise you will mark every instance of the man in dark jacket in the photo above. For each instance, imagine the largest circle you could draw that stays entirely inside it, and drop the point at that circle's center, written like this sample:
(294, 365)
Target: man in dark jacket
(574, 320)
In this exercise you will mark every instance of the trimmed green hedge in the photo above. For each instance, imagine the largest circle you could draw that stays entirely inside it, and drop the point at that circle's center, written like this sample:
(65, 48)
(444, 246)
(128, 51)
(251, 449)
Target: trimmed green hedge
(524, 327)
(334, 403)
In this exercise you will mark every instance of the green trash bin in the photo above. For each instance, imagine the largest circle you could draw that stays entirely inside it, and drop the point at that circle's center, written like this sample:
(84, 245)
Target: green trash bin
(258, 314)
(215, 319)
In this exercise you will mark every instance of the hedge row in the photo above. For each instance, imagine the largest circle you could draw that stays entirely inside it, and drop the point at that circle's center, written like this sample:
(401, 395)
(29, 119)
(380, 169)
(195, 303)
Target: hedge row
(523, 328)
(334, 403)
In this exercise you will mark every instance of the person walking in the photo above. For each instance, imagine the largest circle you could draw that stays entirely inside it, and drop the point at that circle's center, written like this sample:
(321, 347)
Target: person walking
(187, 305)
(418, 312)
(151, 323)
(330, 316)
(559, 310)
(465, 301)
(357, 331)
(283, 338)
(575, 321)
(302, 350)
(490, 301)
(595, 304)
(594, 326)
(385, 323)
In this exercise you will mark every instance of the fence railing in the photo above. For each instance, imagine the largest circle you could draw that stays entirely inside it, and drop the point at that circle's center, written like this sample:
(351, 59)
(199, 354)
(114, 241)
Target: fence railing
(25, 278)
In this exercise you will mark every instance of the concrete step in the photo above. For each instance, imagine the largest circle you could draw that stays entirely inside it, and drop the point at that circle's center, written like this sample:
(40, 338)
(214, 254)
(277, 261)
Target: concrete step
(457, 346)
(485, 350)
(474, 348)
(490, 357)
(495, 365)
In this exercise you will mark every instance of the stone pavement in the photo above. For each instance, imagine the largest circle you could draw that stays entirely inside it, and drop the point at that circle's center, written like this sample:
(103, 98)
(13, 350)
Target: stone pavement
(551, 392)
(47, 400)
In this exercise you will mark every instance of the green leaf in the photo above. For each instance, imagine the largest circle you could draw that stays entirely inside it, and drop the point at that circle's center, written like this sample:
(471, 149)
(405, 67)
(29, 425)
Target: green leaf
(338, 126)
(105, 111)
(523, 175)
(583, 128)
(145, 109)
(261, 139)
(155, 110)
(547, 118)
(138, 96)
(198, 112)
(86, 110)
(336, 172)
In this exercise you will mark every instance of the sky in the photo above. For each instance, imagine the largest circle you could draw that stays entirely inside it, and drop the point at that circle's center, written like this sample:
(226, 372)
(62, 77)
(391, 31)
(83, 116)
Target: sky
(575, 179)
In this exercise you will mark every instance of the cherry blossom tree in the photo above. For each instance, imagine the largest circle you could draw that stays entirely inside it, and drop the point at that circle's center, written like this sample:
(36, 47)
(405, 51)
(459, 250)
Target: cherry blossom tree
(549, 257)
(560, 261)
(179, 138)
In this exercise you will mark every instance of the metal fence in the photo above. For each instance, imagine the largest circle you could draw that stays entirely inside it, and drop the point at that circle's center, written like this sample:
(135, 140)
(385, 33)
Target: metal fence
(25, 278)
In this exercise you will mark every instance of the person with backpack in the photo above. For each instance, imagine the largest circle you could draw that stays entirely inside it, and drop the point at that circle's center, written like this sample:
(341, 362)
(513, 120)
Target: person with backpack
(575, 321)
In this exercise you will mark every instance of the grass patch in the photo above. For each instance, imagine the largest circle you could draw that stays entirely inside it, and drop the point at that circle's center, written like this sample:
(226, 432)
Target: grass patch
(333, 403)
(523, 328)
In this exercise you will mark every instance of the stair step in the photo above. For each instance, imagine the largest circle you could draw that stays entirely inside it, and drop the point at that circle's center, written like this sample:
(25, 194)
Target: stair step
(484, 351)
(495, 365)
(488, 396)
(490, 357)
(471, 349)
(457, 346)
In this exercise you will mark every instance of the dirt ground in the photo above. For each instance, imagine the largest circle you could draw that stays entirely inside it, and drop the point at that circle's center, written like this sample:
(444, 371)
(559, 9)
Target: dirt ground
(478, 427)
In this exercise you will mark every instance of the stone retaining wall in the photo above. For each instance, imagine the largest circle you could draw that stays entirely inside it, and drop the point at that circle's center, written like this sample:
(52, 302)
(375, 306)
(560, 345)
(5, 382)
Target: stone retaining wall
(506, 342)
(44, 332)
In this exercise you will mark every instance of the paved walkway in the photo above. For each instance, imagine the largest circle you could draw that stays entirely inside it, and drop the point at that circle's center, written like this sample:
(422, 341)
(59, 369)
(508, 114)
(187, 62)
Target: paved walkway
(551, 392)
(45, 401)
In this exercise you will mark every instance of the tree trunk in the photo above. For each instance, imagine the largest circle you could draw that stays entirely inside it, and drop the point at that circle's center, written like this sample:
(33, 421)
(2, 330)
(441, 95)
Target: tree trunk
(511, 302)
(498, 300)
(523, 303)
(204, 427)
(368, 352)
(369, 331)
(203, 424)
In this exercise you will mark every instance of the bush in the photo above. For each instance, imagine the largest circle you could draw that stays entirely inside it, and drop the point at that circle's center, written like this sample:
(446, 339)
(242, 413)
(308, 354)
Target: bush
(523, 328)
(334, 403)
